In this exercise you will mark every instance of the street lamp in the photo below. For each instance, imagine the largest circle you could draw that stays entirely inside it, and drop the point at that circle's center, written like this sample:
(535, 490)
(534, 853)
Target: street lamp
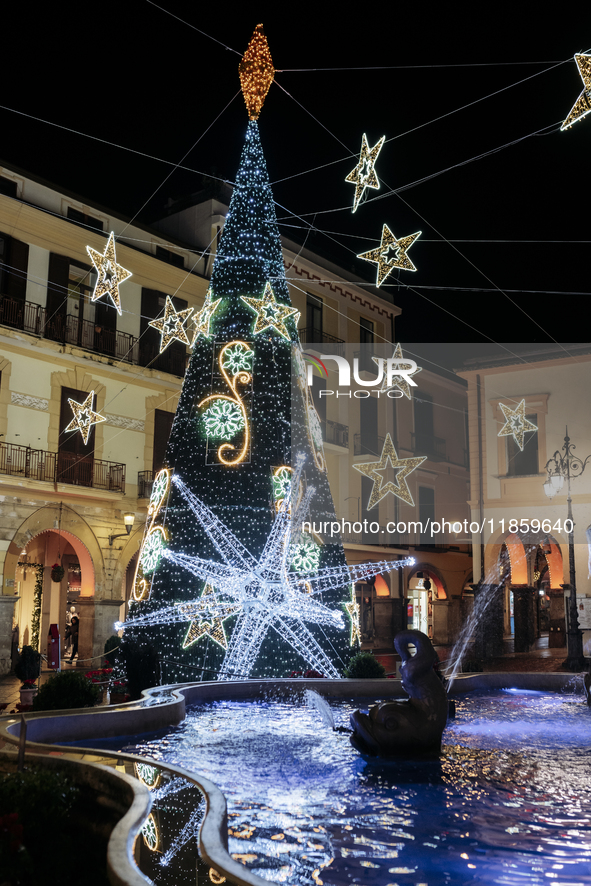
(560, 468)
(128, 523)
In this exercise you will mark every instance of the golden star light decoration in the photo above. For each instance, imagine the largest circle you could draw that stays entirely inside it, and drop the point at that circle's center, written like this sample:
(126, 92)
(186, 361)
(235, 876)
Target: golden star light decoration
(270, 313)
(402, 466)
(364, 175)
(582, 106)
(516, 424)
(110, 274)
(352, 608)
(391, 253)
(171, 326)
(256, 73)
(209, 624)
(84, 417)
(400, 381)
(202, 318)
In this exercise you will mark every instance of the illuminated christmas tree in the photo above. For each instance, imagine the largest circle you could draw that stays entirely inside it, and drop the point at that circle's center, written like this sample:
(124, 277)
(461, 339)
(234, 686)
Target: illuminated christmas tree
(226, 587)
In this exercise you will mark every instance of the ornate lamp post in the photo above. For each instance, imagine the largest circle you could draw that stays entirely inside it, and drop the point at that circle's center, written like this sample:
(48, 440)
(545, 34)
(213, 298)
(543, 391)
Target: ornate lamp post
(560, 468)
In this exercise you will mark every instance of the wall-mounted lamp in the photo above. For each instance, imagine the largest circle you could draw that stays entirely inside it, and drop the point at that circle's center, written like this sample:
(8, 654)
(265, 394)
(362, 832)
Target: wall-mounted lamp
(128, 521)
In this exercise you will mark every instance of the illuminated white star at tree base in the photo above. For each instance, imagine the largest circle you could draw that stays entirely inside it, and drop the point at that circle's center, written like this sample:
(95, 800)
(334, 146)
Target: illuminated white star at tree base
(516, 424)
(110, 274)
(84, 417)
(261, 591)
(171, 326)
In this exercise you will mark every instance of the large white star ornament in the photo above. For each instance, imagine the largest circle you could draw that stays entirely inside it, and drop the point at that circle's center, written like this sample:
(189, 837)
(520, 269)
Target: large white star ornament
(516, 424)
(261, 591)
(171, 326)
(364, 175)
(582, 106)
(398, 486)
(391, 253)
(84, 417)
(271, 314)
(110, 274)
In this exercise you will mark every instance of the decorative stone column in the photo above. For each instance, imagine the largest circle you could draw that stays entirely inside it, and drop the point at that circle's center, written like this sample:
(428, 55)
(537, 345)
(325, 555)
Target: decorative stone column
(7, 602)
(488, 615)
(524, 614)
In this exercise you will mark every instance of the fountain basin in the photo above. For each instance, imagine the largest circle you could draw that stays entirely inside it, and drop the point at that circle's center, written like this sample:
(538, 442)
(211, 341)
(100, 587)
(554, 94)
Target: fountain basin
(461, 812)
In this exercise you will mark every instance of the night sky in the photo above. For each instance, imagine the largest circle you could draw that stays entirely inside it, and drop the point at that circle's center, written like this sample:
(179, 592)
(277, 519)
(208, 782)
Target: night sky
(505, 235)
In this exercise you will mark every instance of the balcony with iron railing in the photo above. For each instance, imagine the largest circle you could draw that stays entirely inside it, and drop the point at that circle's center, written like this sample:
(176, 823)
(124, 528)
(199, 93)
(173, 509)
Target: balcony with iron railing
(311, 336)
(368, 444)
(61, 467)
(70, 330)
(336, 433)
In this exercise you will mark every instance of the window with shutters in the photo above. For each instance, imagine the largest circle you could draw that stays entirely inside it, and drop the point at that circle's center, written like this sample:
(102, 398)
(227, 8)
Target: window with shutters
(14, 258)
(75, 457)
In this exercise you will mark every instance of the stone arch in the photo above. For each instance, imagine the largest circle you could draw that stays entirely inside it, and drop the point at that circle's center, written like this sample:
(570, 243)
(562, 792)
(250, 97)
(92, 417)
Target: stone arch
(80, 380)
(79, 535)
(435, 575)
(131, 546)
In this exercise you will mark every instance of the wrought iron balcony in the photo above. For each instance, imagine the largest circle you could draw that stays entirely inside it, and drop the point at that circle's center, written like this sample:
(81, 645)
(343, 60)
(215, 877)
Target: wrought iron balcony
(70, 330)
(335, 433)
(368, 445)
(145, 479)
(61, 467)
(311, 336)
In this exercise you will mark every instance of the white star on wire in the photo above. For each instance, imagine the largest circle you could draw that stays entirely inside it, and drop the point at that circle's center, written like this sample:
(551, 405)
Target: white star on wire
(516, 424)
(110, 274)
(261, 590)
(84, 417)
(364, 175)
(171, 326)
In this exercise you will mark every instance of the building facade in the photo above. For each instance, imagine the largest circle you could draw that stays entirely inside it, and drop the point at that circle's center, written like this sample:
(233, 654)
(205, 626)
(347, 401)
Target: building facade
(66, 501)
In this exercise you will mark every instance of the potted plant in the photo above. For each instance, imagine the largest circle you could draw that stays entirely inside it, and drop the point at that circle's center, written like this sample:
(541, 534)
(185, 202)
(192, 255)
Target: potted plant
(57, 572)
(119, 692)
(101, 678)
(28, 691)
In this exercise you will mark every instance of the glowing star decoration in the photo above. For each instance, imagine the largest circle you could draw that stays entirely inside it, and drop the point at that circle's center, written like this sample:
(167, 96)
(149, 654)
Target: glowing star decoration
(391, 253)
(516, 424)
(364, 175)
(582, 105)
(261, 590)
(270, 313)
(171, 326)
(352, 608)
(202, 319)
(110, 274)
(212, 626)
(400, 381)
(256, 73)
(398, 486)
(84, 417)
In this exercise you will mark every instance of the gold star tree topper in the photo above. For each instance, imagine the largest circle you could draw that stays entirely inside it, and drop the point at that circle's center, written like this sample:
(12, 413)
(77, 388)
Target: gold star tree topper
(400, 381)
(364, 175)
(391, 253)
(84, 417)
(582, 106)
(398, 486)
(256, 73)
(110, 274)
(202, 318)
(171, 326)
(270, 313)
(516, 424)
